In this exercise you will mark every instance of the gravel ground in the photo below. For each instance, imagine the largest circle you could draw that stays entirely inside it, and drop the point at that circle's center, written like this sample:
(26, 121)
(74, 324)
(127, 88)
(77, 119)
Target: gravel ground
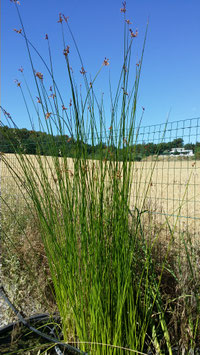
(3, 307)
(4, 318)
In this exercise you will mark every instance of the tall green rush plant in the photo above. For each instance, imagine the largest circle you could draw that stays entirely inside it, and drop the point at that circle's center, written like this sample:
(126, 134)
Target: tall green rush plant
(102, 271)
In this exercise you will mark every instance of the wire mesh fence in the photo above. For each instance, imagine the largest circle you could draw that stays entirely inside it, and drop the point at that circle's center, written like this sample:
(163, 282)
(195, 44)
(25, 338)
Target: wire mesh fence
(165, 174)
(174, 184)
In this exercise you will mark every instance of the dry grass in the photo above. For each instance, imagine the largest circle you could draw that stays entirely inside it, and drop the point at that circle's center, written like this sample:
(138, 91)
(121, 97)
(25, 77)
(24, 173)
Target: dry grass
(169, 187)
(25, 273)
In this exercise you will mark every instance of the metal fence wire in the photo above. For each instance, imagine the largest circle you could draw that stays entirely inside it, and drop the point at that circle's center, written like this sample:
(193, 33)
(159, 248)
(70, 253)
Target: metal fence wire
(172, 175)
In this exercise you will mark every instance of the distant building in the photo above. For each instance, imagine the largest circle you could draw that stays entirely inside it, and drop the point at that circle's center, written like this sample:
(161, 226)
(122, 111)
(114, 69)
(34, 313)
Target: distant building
(182, 152)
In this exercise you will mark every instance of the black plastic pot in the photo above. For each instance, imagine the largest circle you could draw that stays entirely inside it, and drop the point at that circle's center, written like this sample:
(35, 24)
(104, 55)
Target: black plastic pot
(38, 332)
(17, 337)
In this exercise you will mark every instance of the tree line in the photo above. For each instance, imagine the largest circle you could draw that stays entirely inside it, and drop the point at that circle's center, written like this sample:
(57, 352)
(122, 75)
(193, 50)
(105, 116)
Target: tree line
(36, 142)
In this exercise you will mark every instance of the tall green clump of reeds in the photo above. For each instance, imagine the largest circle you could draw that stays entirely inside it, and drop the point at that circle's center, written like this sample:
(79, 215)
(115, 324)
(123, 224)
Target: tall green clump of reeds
(101, 266)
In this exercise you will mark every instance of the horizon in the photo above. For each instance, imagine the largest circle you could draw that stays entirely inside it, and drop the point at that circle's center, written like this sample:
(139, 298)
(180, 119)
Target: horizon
(186, 130)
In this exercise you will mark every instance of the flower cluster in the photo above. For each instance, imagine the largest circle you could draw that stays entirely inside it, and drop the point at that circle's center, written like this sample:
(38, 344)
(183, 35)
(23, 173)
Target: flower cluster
(106, 62)
(123, 9)
(39, 75)
(66, 51)
(17, 82)
(133, 35)
(53, 96)
(48, 114)
(82, 71)
(61, 17)
(18, 31)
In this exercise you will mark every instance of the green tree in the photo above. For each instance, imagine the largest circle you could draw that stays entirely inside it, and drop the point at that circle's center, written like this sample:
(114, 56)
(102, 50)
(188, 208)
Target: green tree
(197, 153)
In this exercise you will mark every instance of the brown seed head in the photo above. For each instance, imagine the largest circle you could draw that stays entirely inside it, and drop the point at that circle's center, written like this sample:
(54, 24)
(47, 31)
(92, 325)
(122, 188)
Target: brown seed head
(82, 71)
(48, 114)
(60, 18)
(123, 9)
(128, 22)
(39, 75)
(21, 69)
(38, 100)
(53, 96)
(106, 62)
(133, 35)
(66, 51)
(46, 36)
(18, 31)
(64, 108)
(17, 82)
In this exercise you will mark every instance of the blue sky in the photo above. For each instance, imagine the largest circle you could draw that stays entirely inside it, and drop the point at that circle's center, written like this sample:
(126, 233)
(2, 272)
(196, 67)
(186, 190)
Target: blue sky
(170, 79)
